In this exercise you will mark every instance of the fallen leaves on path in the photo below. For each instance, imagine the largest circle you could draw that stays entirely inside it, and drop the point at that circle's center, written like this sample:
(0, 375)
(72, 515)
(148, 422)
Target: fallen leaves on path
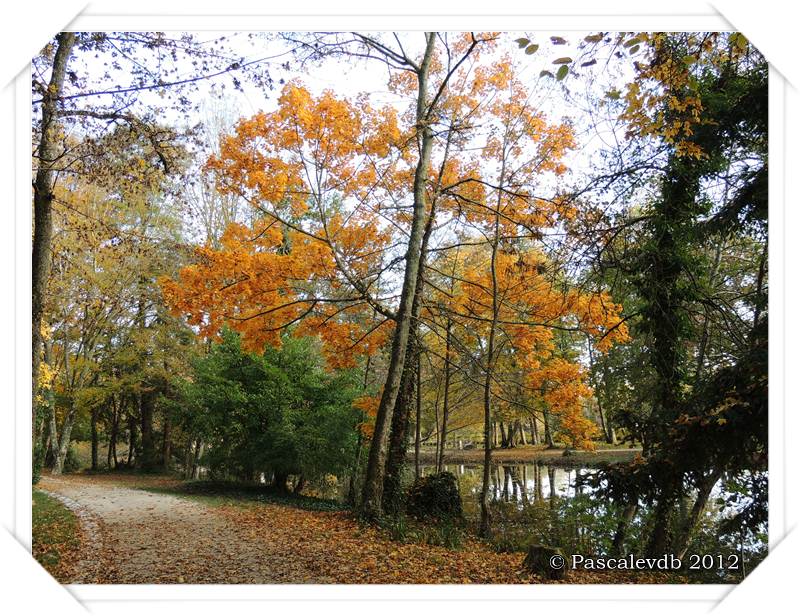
(333, 546)
(154, 538)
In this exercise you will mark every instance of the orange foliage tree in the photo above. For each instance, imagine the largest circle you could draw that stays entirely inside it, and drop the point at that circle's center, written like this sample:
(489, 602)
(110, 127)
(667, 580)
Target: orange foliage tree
(329, 180)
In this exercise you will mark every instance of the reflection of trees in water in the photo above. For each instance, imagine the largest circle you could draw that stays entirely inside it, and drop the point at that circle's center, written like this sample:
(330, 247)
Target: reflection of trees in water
(519, 483)
(540, 503)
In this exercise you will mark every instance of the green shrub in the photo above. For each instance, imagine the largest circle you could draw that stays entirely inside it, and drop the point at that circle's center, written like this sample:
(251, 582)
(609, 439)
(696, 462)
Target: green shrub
(435, 496)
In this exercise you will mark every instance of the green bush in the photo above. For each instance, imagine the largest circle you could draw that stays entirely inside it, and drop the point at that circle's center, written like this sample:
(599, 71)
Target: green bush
(280, 412)
(435, 496)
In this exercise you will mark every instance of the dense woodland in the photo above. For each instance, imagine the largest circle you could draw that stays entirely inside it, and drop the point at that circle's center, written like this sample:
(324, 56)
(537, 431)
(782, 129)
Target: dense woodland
(340, 290)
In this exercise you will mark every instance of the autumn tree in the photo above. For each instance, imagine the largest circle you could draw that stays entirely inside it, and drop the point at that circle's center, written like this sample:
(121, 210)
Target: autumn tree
(71, 97)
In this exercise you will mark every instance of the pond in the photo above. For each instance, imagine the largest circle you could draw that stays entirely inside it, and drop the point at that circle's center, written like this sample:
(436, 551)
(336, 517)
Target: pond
(553, 504)
(516, 483)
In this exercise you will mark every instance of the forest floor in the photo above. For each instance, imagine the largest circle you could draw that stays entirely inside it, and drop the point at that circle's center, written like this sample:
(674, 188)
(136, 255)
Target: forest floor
(145, 530)
(536, 453)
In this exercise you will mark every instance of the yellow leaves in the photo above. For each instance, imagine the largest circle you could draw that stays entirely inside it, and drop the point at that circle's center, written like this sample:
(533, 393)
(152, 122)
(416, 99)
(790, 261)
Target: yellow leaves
(690, 150)
(47, 376)
(667, 84)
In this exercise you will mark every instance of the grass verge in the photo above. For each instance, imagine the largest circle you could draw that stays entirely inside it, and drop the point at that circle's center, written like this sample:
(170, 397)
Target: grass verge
(56, 536)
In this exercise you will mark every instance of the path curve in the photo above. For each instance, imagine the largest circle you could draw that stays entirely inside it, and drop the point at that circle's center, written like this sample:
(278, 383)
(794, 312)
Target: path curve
(151, 538)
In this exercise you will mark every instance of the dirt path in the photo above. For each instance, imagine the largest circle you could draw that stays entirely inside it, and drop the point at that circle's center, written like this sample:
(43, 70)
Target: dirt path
(134, 536)
(149, 538)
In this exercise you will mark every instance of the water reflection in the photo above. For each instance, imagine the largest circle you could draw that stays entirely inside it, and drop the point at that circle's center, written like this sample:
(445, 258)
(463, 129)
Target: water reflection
(518, 483)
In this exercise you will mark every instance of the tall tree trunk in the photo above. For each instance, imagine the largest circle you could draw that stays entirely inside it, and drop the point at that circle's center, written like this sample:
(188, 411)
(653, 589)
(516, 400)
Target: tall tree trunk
(198, 454)
(63, 441)
(112, 437)
(95, 413)
(445, 395)
(52, 438)
(132, 440)
(147, 460)
(166, 449)
(52, 431)
(608, 431)
(398, 437)
(43, 184)
(681, 543)
(418, 417)
(534, 431)
(485, 528)
(661, 534)
(188, 458)
(371, 503)
(548, 436)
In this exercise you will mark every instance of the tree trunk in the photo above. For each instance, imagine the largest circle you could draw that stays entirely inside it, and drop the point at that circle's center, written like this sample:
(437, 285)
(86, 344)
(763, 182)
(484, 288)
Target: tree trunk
(63, 441)
(398, 437)
(166, 449)
(534, 431)
(608, 431)
(373, 484)
(188, 459)
(132, 440)
(95, 413)
(446, 395)
(198, 454)
(418, 418)
(660, 536)
(548, 436)
(52, 438)
(521, 430)
(485, 528)
(147, 460)
(681, 544)
(111, 454)
(279, 481)
(43, 198)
